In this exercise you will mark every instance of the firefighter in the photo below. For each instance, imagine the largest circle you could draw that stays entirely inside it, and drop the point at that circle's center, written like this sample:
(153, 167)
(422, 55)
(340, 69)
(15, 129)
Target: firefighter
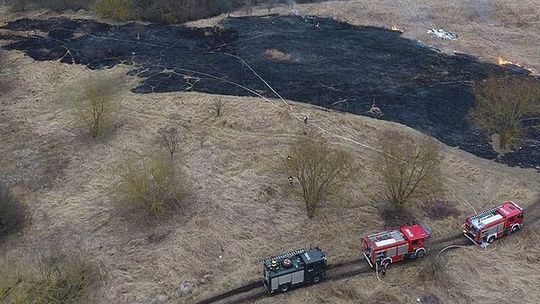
(305, 119)
(383, 270)
(290, 180)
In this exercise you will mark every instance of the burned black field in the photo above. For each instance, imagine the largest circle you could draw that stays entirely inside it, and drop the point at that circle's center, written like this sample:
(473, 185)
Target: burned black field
(330, 64)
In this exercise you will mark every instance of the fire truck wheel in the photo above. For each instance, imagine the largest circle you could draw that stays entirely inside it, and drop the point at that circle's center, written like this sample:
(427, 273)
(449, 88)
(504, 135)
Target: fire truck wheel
(316, 279)
(491, 239)
(284, 287)
(420, 253)
(514, 228)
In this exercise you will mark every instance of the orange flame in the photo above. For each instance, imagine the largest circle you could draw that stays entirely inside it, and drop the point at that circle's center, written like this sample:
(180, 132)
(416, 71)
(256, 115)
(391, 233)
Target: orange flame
(502, 61)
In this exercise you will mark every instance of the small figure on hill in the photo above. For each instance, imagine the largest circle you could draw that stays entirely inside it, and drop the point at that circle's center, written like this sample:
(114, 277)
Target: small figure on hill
(374, 110)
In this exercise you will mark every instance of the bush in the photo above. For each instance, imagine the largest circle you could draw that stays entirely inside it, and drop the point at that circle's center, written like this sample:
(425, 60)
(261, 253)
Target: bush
(119, 10)
(95, 106)
(170, 138)
(155, 183)
(12, 213)
(507, 107)
(408, 168)
(319, 169)
(52, 277)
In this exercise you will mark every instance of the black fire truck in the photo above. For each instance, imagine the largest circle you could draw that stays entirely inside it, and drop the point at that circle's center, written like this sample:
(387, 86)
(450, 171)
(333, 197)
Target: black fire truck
(294, 268)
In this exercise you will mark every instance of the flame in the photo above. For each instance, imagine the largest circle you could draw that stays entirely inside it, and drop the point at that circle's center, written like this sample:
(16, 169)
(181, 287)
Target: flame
(502, 61)
(396, 29)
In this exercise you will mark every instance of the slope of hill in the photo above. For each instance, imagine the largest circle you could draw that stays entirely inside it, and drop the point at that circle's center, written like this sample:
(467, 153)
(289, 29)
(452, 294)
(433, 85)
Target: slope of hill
(236, 210)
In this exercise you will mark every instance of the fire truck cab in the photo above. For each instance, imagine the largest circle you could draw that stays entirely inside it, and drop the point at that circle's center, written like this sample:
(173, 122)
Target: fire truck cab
(494, 223)
(294, 268)
(384, 248)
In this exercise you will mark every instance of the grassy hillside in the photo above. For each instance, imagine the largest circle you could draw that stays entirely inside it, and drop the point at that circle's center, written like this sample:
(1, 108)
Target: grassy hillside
(238, 209)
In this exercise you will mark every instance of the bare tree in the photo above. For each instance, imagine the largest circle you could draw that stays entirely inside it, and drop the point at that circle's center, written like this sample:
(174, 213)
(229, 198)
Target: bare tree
(319, 169)
(170, 137)
(408, 168)
(507, 107)
(96, 108)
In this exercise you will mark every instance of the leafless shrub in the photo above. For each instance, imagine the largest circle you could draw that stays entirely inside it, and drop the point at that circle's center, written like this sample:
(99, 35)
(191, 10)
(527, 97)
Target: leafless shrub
(170, 137)
(507, 107)
(277, 55)
(319, 169)
(96, 110)
(155, 183)
(54, 276)
(408, 168)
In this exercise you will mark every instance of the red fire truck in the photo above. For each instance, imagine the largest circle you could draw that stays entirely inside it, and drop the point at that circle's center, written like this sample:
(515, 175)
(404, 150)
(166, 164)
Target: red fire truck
(384, 248)
(494, 223)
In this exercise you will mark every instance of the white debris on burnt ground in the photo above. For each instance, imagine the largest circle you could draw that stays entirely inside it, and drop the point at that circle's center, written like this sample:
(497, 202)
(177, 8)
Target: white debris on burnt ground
(440, 33)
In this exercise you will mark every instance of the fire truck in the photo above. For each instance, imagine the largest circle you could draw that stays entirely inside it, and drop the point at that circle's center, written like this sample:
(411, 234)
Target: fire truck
(294, 268)
(494, 223)
(408, 242)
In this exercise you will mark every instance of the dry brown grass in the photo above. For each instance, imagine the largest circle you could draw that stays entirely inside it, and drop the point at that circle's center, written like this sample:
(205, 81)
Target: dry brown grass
(236, 199)
(522, 14)
(12, 212)
(236, 202)
(277, 55)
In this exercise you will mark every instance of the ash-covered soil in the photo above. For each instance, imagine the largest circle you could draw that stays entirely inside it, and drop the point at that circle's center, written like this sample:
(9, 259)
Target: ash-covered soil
(328, 63)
